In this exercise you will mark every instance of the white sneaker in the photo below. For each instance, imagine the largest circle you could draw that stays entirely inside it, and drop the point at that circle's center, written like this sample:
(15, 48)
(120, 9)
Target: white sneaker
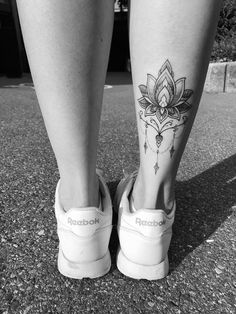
(84, 235)
(144, 237)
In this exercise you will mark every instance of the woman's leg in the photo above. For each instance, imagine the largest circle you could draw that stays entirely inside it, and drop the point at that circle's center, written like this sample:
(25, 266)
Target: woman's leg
(67, 43)
(170, 48)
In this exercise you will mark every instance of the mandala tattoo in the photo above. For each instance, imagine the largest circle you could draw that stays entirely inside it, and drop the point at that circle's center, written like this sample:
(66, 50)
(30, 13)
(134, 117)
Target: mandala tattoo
(163, 100)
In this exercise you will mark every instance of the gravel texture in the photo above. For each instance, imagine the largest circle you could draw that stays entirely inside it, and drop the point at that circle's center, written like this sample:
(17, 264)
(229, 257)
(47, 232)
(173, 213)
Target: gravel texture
(203, 250)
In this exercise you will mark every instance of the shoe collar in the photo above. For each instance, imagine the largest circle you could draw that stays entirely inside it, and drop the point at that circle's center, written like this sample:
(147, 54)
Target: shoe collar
(125, 204)
(106, 204)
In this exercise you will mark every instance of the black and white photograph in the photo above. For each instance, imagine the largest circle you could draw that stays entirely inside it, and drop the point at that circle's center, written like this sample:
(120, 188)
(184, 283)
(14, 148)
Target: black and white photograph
(118, 156)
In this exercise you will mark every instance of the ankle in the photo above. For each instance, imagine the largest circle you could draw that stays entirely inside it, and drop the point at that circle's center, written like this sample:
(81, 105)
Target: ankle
(74, 193)
(157, 193)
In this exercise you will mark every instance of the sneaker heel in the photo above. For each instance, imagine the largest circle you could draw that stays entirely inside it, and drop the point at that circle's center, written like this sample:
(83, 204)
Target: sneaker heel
(138, 271)
(91, 269)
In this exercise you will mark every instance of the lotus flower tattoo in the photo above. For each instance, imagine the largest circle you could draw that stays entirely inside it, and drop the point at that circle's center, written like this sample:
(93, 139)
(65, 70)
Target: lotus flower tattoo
(164, 97)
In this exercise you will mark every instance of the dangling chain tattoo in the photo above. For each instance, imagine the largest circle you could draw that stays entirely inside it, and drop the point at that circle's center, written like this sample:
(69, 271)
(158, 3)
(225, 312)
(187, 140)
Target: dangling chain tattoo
(163, 99)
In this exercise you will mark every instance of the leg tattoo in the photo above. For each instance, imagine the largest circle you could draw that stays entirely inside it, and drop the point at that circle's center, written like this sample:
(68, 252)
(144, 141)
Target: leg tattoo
(163, 99)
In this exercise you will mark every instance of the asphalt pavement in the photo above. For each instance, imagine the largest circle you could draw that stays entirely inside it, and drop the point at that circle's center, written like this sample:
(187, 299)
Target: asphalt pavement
(202, 255)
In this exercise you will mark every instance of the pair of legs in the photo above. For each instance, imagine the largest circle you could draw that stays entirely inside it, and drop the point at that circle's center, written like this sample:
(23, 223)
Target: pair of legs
(68, 42)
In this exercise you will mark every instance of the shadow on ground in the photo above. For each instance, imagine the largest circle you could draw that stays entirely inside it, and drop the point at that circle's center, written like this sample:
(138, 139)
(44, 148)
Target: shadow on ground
(23, 81)
(203, 203)
(112, 78)
(119, 78)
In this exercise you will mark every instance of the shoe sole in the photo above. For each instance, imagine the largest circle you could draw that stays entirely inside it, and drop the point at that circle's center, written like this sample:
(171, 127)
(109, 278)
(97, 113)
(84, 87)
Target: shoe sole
(75, 270)
(138, 271)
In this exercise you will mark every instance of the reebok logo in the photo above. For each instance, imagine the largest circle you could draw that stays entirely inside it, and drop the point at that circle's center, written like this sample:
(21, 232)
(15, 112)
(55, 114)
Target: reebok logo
(151, 223)
(83, 222)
